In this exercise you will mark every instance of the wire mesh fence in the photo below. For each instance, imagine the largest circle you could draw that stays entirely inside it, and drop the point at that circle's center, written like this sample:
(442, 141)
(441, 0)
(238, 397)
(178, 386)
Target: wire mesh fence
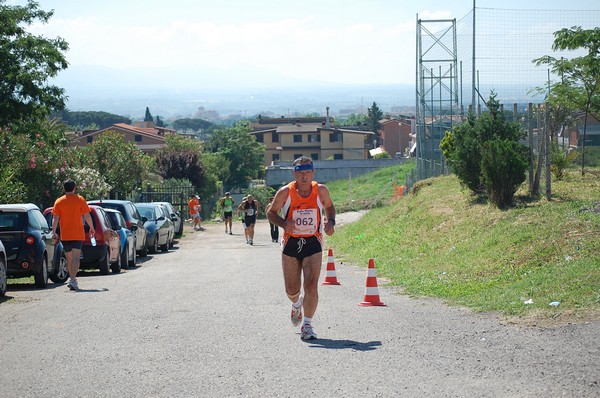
(489, 49)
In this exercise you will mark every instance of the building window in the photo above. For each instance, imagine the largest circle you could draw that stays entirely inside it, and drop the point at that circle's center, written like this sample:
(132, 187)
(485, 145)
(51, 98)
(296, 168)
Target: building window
(314, 156)
(297, 155)
(138, 138)
(275, 137)
(314, 138)
(338, 156)
(275, 157)
(336, 137)
(297, 137)
(259, 137)
(90, 139)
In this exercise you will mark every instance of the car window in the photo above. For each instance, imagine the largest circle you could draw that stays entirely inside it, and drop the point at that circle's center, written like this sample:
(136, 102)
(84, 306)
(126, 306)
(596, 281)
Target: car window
(136, 213)
(40, 219)
(120, 220)
(11, 221)
(107, 221)
(113, 218)
(85, 225)
(34, 222)
(147, 212)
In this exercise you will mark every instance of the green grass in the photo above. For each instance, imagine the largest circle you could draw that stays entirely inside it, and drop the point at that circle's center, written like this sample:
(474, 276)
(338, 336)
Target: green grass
(440, 242)
(368, 190)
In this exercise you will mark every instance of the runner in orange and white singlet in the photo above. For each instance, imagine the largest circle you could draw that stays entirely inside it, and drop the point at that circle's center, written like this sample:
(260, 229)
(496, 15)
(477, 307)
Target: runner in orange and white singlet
(304, 204)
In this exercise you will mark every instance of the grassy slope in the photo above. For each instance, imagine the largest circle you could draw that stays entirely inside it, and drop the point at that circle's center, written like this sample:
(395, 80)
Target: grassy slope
(440, 243)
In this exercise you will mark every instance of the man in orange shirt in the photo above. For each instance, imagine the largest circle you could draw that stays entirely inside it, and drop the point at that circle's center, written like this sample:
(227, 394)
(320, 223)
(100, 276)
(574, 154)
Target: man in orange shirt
(67, 212)
(194, 210)
(303, 203)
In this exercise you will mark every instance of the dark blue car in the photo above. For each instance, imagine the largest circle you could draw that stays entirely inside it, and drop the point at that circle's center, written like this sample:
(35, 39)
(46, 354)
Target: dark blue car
(30, 250)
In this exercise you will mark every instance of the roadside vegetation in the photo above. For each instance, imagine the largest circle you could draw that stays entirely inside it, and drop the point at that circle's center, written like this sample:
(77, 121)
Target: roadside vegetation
(370, 190)
(440, 241)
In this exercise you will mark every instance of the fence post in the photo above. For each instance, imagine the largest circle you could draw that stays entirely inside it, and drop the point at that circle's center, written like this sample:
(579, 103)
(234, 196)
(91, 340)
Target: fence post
(530, 137)
(547, 133)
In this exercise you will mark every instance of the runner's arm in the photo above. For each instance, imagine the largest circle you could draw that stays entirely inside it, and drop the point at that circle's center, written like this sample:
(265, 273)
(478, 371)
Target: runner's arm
(275, 207)
(328, 208)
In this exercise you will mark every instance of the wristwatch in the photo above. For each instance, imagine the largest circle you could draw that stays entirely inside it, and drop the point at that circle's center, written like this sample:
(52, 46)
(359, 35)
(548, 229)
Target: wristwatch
(332, 220)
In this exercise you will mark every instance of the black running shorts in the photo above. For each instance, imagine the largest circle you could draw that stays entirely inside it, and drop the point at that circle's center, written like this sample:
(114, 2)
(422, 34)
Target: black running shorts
(301, 248)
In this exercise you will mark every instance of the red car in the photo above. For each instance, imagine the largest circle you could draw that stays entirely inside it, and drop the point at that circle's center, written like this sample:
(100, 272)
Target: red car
(105, 255)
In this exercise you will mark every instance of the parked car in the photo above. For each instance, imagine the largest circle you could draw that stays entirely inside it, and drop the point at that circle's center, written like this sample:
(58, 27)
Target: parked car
(30, 250)
(127, 238)
(175, 217)
(161, 230)
(3, 277)
(105, 255)
(132, 217)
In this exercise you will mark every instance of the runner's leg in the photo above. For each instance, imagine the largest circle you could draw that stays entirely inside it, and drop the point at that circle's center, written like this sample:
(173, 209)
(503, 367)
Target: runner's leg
(311, 268)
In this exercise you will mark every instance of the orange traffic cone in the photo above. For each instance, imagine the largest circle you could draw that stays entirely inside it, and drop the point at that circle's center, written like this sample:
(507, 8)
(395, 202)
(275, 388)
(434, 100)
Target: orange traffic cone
(371, 290)
(330, 277)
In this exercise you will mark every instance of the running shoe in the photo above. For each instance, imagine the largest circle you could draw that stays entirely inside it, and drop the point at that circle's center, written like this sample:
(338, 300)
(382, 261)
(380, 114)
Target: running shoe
(230, 233)
(307, 332)
(296, 315)
(73, 285)
(251, 242)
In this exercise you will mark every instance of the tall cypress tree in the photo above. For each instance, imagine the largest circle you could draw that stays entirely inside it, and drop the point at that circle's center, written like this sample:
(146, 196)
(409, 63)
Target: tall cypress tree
(148, 117)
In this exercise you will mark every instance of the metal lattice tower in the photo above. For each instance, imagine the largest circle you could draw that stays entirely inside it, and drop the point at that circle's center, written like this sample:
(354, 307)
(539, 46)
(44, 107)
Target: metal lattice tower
(437, 94)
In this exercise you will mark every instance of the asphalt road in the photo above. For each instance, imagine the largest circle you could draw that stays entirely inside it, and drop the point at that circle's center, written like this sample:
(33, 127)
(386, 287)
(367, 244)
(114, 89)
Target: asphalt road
(211, 319)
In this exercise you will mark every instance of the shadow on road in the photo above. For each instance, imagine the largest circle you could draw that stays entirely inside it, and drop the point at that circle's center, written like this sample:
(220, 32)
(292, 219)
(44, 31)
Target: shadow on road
(344, 344)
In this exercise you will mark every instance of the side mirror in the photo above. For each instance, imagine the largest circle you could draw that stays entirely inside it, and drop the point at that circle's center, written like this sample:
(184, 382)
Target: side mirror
(133, 228)
(160, 218)
(144, 218)
(174, 218)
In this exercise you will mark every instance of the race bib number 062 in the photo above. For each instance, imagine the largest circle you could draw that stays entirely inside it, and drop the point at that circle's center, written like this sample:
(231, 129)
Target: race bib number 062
(305, 221)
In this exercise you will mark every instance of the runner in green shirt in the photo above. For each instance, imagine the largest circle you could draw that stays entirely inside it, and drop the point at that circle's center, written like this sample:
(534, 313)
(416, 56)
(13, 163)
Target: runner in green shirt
(227, 205)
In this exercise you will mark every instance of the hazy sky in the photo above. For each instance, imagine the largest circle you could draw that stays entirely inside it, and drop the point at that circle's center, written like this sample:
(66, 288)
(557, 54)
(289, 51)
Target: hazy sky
(338, 41)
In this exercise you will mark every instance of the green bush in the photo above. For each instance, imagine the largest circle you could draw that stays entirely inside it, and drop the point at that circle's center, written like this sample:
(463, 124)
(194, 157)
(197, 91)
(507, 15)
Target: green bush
(503, 165)
(485, 154)
(560, 158)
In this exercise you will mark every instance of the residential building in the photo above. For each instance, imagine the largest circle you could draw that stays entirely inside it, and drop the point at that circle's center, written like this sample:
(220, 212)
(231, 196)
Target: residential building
(397, 135)
(147, 137)
(286, 139)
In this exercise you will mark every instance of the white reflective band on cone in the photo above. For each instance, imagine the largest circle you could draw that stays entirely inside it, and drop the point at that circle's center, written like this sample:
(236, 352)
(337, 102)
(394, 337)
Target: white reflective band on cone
(371, 291)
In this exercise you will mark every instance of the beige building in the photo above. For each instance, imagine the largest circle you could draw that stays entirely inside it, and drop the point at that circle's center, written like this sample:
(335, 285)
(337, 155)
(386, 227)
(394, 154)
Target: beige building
(146, 137)
(286, 139)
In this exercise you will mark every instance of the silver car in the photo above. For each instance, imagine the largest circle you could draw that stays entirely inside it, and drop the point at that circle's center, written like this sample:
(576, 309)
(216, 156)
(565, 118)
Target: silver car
(175, 217)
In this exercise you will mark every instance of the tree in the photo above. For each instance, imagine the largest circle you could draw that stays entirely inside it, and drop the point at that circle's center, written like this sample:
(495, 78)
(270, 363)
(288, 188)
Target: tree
(159, 122)
(241, 149)
(194, 125)
(579, 83)
(30, 153)
(486, 155)
(26, 63)
(121, 164)
(355, 119)
(181, 159)
(81, 120)
(148, 117)
(374, 115)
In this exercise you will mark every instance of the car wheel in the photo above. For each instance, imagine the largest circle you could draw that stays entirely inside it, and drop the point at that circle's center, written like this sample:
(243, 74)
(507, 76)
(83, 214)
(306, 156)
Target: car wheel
(144, 251)
(62, 274)
(165, 247)
(117, 265)
(125, 257)
(41, 275)
(3, 282)
(154, 247)
(131, 259)
(104, 265)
